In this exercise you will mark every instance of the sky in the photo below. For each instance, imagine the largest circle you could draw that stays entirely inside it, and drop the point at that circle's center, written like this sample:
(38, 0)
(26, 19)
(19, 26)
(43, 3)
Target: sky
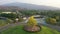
(53, 3)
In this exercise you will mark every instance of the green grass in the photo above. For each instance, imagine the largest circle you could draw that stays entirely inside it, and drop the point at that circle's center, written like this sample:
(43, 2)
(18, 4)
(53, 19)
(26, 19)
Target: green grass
(19, 30)
(4, 22)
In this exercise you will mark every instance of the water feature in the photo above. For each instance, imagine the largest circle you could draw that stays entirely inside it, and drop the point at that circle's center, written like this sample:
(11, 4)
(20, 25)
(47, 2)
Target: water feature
(39, 20)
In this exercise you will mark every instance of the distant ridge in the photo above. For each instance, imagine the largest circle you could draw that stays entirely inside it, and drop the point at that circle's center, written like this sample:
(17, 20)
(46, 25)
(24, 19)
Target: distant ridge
(30, 6)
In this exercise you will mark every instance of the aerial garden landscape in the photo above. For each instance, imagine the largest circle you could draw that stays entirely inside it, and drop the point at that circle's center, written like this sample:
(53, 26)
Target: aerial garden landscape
(26, 22)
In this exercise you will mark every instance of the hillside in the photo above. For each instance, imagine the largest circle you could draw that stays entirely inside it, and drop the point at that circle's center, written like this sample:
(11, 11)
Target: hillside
(30, 6)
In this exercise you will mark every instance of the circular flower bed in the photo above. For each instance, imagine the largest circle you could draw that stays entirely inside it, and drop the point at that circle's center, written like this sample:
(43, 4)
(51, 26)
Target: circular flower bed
(32, 29)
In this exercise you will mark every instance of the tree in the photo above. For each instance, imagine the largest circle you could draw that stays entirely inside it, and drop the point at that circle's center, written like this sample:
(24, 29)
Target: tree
(19, 16)
(32, 21)
(51, 20)
(10, 15)
(57, 18)
(32, 25)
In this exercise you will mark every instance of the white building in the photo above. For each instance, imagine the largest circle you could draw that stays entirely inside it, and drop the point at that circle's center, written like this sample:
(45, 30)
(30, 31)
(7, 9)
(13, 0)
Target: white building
(7, 12)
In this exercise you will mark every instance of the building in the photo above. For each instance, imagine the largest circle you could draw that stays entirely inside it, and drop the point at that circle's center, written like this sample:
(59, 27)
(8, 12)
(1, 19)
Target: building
(7, 12)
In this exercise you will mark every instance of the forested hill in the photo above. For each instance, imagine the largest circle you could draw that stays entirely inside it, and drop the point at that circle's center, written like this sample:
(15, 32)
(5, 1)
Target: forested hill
(29, 6)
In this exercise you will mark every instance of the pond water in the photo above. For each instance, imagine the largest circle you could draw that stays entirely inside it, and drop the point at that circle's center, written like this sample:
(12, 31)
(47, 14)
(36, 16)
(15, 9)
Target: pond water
(3, 18)
(39, 20)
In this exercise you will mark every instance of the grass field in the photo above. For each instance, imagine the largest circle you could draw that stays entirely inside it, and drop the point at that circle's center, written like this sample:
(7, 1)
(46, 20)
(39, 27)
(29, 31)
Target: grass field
(4, 22)
(19, 30)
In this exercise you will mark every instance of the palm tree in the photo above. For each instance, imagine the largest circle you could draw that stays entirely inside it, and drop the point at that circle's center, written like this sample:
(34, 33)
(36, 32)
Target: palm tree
(19, 15)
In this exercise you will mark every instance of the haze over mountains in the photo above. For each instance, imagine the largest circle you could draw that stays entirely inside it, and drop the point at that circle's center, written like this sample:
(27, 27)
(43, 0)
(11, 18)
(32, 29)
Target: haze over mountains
(30, 6)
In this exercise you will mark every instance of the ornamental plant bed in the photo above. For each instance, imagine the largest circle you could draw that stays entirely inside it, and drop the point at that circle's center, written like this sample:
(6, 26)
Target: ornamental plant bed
(32, 29)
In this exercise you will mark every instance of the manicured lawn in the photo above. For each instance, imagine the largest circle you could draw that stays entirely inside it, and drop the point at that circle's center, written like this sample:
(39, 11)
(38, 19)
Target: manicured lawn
(19, 30)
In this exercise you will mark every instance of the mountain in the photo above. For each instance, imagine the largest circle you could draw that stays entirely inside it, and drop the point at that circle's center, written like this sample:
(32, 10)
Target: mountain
(10, 8)
(31, 6)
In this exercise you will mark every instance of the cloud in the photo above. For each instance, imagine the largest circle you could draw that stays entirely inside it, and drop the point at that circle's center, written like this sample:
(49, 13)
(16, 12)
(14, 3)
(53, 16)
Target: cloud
(5, 1)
